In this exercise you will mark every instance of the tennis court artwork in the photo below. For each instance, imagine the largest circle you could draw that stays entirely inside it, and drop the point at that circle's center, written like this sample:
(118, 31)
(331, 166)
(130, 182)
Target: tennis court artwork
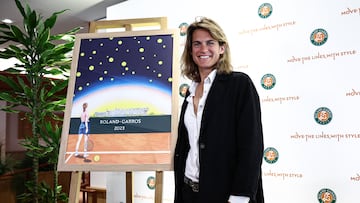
(121, 110)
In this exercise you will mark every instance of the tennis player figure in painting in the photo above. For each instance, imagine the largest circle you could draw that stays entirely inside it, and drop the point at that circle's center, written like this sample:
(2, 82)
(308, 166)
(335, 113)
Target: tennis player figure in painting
(83, 130)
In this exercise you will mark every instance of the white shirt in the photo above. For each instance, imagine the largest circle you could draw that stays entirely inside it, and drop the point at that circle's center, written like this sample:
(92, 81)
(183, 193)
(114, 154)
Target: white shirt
(193, 122)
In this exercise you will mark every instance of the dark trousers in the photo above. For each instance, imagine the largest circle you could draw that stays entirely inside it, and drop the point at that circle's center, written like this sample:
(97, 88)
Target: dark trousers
(189, 196)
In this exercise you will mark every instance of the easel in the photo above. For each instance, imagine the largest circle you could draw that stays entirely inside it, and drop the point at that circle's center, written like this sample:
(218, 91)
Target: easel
(128, 25)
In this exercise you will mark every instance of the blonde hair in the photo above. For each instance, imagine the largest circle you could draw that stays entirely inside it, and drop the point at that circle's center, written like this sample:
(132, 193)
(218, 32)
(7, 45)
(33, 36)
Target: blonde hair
(188, 66)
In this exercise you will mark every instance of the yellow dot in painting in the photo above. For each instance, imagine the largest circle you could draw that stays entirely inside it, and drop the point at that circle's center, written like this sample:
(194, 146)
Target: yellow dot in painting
(159, 40)
(101, 78)
(141, 50)
(87, 84)
(91, 68)
(82, 54)
(94, 52)
(127, 68)
(147, 38)
(170, 79)
(96, 158)
(78, 74)
(105, 72)
(123, 64)
(111, 59)
(160, 62)
(120, 42)
(159, 75)
(111, 38)
(80, 88)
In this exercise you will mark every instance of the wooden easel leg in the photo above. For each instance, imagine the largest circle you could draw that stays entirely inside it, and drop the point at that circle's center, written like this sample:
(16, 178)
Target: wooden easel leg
(129, 188)
(159, 186)
(75, 184)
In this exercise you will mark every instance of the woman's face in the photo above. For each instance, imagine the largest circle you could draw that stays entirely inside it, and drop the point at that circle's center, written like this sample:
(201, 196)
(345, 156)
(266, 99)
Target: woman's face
(205, 50)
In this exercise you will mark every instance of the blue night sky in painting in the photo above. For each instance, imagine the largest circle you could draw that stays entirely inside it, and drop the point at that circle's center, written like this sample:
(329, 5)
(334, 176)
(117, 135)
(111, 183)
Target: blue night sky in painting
(141, 60)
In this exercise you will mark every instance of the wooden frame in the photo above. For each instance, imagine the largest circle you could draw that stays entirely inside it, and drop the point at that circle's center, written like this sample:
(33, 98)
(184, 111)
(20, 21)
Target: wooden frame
(137, 142)
(129, 24)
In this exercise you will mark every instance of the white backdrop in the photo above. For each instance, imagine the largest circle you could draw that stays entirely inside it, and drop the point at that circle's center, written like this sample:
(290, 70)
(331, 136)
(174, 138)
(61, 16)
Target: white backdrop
(312, 157)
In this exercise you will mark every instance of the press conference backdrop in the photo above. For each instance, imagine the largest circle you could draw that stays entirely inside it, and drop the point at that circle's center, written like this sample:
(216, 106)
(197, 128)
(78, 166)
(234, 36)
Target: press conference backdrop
(303, 57)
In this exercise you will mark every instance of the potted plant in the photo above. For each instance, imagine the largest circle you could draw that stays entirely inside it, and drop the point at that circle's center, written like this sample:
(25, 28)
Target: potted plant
(41, 55)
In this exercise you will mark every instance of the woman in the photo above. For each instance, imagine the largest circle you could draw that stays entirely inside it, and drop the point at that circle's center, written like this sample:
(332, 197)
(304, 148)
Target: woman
(219, 149)
(83, 130)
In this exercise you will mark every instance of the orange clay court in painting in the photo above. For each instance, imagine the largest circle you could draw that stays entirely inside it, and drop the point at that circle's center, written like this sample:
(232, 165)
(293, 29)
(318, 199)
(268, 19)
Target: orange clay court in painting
(122, 149)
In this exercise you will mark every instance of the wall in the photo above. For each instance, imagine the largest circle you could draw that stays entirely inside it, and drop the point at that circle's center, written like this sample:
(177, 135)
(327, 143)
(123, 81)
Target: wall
(306, 156)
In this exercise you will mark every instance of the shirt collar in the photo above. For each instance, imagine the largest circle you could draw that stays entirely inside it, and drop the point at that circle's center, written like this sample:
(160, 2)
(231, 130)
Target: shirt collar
(208, 80)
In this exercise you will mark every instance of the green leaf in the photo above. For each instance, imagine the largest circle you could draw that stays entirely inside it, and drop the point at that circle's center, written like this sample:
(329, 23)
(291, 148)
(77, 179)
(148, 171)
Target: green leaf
(9, 108)
(13, 70)
(7, 53)
(14, 48)
(67, 36)
(11, 83)
(22, 58)
(50, 22)
(33, 19)
(43, 40)
(8, 98)
(26, 89)
(18, 34)
(4, 26)
(20, 8)
(28, 11)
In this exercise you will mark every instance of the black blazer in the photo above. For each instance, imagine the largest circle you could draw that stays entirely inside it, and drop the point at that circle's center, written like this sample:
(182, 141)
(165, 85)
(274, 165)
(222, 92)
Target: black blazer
(230, 142)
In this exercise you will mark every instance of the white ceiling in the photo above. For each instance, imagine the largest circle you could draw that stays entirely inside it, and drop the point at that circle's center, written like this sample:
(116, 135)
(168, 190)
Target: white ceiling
(79, 13)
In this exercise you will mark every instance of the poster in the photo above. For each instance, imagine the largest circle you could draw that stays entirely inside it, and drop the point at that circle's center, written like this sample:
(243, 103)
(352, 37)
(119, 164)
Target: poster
(121, 111)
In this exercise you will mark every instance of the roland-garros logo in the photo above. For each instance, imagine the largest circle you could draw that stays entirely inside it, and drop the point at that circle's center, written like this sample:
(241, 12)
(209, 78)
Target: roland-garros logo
(318, 37)
(268, 81)
(265, 10)
(150, 182)
(323, 115)
(271, 155)
(326, 196)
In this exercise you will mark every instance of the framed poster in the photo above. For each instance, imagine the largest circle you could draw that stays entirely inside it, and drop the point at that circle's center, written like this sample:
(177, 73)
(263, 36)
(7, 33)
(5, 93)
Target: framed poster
(122, 100)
